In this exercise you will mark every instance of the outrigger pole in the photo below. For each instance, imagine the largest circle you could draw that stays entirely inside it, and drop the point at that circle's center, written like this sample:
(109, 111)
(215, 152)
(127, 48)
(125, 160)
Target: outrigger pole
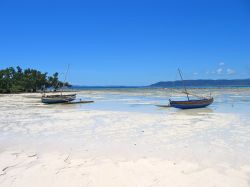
(183, 83)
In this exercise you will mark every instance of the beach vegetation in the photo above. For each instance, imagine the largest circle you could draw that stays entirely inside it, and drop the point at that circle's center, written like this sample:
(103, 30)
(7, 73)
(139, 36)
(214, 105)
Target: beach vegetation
(16, 80)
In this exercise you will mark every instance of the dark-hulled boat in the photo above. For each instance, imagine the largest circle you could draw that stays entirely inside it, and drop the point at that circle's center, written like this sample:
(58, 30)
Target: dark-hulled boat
(189, 104)
(193, 103)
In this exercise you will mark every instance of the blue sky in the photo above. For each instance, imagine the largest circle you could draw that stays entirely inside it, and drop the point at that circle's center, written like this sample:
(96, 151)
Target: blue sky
(127, 42)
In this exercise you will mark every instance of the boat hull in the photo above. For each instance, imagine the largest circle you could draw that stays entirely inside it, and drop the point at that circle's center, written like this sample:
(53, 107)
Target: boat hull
(52, 99)
(201, 103)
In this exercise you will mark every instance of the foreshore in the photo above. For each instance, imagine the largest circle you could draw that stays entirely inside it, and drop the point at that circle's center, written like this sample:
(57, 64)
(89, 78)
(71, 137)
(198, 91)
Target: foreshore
(90, 145)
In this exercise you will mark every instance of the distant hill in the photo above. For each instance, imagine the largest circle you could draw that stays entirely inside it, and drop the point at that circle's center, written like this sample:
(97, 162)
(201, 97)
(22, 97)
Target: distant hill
(204, 83)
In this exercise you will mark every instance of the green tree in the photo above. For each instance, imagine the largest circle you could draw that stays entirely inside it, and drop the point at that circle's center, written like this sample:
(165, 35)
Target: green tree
(29, 80)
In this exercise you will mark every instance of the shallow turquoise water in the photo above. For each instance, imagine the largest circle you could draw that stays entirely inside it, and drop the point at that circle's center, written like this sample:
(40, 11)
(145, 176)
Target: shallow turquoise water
(235, 100)
(128, 117)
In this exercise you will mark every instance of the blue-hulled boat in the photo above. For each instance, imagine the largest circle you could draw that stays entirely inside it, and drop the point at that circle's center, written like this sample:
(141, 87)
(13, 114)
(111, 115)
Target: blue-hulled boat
(193, 103)
(189, 104)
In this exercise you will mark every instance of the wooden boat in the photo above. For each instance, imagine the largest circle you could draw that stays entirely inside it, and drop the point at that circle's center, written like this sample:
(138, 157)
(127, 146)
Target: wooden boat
(197, 103)
(58, 98)
(59, 95)
(194, 103)
(54, 99)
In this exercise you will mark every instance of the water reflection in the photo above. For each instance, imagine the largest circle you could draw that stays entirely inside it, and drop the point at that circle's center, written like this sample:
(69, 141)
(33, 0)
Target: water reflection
(195, 112)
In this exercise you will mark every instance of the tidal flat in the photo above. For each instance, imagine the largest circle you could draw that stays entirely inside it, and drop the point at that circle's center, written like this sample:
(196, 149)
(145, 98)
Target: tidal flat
(123, 139)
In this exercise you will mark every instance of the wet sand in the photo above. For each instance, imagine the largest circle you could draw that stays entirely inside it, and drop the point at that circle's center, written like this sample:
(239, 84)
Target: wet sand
(124, 140)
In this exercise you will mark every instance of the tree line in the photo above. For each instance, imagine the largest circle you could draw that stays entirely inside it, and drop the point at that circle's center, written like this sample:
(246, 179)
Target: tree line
(16, 80)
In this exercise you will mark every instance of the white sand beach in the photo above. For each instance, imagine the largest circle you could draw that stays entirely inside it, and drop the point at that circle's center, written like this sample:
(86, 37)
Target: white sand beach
(124, 140)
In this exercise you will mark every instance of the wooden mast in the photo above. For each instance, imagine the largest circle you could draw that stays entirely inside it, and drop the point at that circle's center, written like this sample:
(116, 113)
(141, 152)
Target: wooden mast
(183, 83)
(65, 78)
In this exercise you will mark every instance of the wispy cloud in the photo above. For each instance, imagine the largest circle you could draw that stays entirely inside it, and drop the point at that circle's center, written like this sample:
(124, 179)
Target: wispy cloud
(230, 71)
(219, 71)
(221, 64)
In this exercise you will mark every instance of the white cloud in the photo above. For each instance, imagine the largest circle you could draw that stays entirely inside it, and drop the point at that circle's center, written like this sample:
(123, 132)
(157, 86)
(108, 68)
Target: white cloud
(219, 71)
(221, 63)
(195, 73)
(230, 71)
(222, 70)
